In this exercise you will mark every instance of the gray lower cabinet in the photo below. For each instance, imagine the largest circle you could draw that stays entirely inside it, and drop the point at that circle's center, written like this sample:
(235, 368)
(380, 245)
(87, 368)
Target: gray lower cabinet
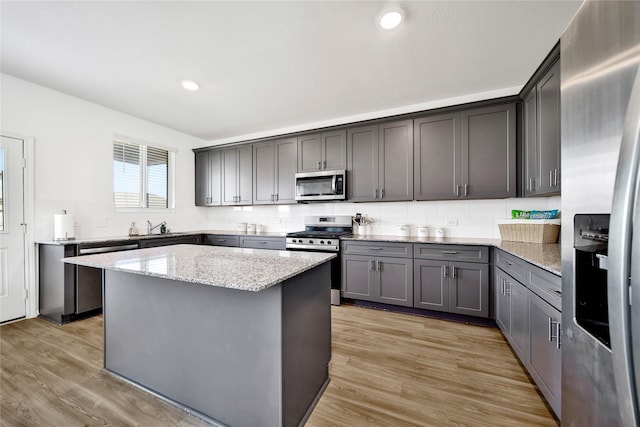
(274, 171)
(378, 271)
(468, 154)
(541, 125)
(511, 312)
(167, 241)
(237, 175)
(322, 151)
(380, 162)
(380, 279)
(527, 314)
(221, 240)
(263, 242)
(545, 361)
(452, 278)
(208, 179)
(452, 287)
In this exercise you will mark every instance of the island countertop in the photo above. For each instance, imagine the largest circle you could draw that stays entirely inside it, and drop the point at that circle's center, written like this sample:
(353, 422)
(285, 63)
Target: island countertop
(235, 268)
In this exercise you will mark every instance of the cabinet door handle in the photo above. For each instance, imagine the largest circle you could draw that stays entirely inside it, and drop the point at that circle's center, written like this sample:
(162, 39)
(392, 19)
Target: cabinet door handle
(557, 336)
(457, 190)
(532, 184)
(372, 265)
(277, 197)
(272, 197)
(375, 249)
(221, 240)
(502, 286)
(453, 271)
(466, 190)
(375, 193)
(450, 252)
(550, 178)
(324, 164)
(379, 265)
(507, 287)
(382, 193)
(319, 165)
(444, 271)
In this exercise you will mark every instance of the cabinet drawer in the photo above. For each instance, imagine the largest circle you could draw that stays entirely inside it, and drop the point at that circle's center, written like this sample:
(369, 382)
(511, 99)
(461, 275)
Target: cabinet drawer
(222, 240)
(546, 285)
(513, 266)
(277, 243)
(451, 252)
(400, 250)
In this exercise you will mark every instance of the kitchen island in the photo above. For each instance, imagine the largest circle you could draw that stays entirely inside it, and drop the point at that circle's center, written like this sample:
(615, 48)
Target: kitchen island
(238, 337)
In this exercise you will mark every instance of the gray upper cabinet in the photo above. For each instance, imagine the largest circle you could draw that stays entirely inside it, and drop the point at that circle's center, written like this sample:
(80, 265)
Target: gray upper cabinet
(322, 151)
(274, 171)
(208, 190)
(541, 126)
(237, 175)
(362, 163)
(436, 145)
(488, 153)
(530, 129)
(468, 154)
(380, 162)
(548, 93)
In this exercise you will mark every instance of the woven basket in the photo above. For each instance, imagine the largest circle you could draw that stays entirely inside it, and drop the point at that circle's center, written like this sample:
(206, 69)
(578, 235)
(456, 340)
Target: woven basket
(538, 232)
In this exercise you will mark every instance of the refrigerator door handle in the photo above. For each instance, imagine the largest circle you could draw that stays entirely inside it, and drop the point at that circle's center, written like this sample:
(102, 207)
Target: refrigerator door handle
(621, 318)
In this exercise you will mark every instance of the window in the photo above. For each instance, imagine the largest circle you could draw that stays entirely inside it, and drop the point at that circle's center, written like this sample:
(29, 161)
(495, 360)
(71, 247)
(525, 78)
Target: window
(143, 176)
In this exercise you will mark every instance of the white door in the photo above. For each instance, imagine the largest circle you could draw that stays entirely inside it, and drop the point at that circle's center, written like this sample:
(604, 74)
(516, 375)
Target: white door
(12, 253)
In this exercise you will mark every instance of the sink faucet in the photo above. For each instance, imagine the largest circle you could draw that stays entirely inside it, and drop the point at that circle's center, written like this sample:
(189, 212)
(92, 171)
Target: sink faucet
(150, 227)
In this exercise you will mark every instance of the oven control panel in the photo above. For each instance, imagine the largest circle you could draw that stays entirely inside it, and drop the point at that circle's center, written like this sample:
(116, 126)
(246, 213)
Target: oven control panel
(313, 244)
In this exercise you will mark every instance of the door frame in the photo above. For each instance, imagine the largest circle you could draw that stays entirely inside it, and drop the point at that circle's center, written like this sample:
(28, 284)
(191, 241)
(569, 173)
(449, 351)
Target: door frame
(30, 266)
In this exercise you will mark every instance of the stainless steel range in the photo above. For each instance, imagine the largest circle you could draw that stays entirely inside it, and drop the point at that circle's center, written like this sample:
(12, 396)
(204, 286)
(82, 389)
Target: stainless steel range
(322, 234)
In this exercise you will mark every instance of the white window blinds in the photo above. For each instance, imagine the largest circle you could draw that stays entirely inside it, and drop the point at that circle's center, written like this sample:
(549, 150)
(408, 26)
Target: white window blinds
(143, 176)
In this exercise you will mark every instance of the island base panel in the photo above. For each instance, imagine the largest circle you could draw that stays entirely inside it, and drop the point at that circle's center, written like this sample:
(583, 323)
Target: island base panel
(237, 357)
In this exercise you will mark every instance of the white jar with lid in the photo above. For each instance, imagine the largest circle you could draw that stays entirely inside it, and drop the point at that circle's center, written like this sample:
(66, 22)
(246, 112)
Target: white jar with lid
(404, 230)
(251, 228)
(423, 231)
(241, 227)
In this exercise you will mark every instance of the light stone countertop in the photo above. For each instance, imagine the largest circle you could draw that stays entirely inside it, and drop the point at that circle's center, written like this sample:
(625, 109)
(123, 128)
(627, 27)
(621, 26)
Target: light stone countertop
(235, 268)
(544, 255)
(155, 236)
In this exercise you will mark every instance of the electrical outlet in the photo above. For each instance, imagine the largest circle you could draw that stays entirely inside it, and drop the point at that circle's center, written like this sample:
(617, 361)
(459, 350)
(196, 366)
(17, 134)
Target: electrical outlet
(102, 222)
(451, 222)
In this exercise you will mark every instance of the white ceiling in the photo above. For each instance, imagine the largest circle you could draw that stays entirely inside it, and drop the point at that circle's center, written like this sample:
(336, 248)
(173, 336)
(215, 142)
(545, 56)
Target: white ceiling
(273, 65)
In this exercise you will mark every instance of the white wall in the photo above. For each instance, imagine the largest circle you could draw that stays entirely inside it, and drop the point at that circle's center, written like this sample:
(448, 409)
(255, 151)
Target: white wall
(73, 160)
(475, 218)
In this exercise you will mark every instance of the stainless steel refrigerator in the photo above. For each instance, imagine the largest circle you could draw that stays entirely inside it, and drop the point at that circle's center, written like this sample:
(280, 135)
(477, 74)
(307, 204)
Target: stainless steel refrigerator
(600, 111)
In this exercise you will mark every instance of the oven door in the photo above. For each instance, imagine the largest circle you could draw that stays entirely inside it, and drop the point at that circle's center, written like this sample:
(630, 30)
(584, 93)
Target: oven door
(336, 275)
(324, 185)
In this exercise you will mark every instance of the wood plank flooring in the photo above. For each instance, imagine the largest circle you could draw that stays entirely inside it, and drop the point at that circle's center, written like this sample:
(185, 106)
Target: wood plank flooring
(387, 369)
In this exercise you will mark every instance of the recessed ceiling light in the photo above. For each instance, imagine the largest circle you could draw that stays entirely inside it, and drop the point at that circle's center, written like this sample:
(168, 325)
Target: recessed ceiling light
(390, 18)
(190, 85)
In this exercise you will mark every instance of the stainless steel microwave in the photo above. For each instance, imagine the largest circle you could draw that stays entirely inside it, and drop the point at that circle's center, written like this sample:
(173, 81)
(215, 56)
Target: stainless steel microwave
(321, 186)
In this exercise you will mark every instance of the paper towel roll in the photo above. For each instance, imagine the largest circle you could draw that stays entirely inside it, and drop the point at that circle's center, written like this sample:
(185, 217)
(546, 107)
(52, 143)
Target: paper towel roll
(63, 227)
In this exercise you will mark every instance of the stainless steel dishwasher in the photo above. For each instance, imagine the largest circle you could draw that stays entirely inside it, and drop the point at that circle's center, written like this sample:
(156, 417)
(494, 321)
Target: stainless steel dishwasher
(89, 279)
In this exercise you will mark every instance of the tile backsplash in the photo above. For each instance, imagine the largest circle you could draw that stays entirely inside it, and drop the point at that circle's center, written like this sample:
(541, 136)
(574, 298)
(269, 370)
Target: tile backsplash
(459, 218)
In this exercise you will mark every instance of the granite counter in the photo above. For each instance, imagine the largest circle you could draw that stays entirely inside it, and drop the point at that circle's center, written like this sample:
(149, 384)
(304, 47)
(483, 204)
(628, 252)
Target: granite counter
(236, 268)
(544, 255)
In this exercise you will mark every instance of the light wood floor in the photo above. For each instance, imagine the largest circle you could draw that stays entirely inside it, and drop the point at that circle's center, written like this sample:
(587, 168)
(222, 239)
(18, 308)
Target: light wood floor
(387, 369)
